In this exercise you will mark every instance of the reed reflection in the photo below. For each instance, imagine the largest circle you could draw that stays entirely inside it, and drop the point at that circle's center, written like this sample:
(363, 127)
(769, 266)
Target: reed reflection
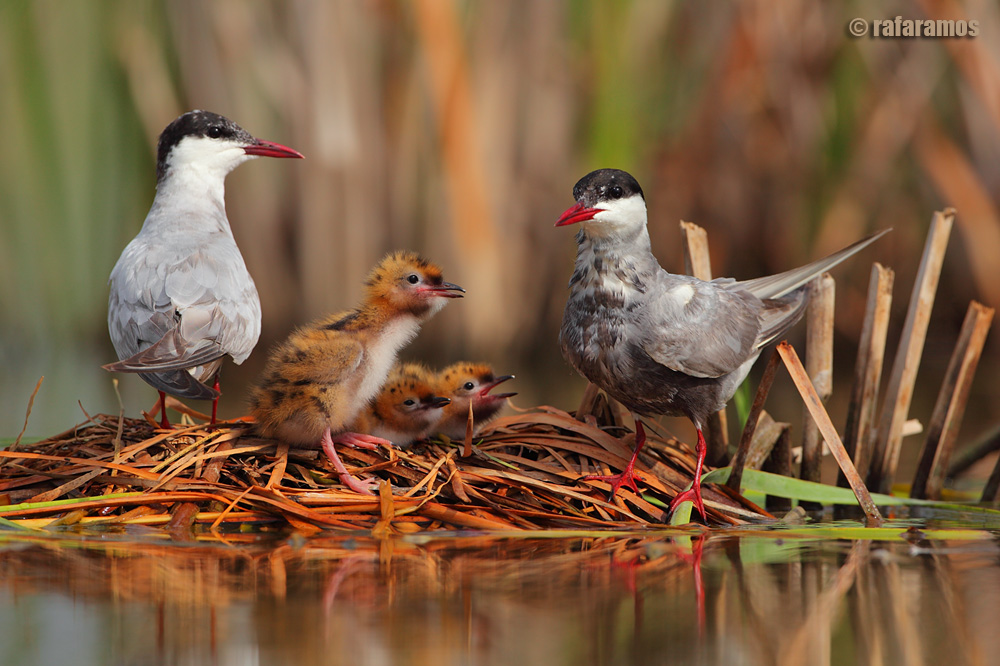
(723, 595)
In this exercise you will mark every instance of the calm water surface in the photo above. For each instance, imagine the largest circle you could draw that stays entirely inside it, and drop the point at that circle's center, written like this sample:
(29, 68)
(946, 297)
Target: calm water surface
(734, 597)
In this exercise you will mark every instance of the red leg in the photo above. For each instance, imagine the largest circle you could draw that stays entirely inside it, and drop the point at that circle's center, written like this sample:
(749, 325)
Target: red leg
(627, 477)
(693, 494)
(215, 401)
(164, 423)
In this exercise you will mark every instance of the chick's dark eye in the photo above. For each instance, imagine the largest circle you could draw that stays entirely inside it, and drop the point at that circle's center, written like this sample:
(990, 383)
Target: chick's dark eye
(413, 278)
(214, 132)
(409, 402)
(468, 386)
(615, 191)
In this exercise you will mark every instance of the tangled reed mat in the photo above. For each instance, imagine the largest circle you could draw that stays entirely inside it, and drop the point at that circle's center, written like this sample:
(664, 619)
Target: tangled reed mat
(522, 472)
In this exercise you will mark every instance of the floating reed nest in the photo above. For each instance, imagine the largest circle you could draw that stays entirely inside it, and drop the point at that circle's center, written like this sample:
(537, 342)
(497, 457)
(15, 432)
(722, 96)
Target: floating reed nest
(521, 473)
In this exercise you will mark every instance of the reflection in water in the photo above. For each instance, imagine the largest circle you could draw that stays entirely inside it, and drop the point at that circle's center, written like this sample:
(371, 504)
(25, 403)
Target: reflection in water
(137, 599)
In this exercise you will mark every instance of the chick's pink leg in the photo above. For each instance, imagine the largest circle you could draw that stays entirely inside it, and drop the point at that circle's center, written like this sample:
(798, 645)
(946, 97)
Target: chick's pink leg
(627, 477)
(694, 493)
(356, 441)
(359, 440)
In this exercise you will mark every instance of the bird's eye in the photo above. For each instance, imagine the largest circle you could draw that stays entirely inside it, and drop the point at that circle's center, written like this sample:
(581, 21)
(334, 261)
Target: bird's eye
(413, 278)
(615, 192)
(214, 132)
(409, 402)
(468, 386)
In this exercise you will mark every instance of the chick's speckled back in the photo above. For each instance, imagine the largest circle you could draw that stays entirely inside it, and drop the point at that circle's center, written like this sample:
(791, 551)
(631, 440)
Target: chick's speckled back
(326, 373)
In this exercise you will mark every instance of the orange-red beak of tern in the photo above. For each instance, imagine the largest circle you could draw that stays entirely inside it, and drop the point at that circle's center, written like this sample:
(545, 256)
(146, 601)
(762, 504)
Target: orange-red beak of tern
(270, 149)
(576, 213)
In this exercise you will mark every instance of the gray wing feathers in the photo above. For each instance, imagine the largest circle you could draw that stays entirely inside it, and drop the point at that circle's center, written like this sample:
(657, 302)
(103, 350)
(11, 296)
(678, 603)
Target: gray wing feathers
(709, 329)
(698, 328)
(175, 306)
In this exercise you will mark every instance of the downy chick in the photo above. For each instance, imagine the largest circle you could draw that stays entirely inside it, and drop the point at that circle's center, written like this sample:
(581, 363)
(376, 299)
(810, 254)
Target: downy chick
(406, 409)
(469, 383)
(317, 382)
(661, 343)
(181, 298)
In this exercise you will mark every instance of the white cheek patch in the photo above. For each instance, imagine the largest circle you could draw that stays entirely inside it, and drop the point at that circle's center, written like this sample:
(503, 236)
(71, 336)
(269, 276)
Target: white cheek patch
(617, 216)
(208, 153)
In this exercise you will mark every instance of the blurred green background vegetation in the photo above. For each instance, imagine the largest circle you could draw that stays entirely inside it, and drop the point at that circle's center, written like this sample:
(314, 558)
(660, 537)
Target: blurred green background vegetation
(458, 129)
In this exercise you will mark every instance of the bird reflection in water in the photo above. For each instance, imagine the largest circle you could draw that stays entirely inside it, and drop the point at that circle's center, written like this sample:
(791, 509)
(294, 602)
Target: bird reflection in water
(761, 597)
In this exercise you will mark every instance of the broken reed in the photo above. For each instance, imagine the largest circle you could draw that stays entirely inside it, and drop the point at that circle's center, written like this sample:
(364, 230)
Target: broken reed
(875, 451)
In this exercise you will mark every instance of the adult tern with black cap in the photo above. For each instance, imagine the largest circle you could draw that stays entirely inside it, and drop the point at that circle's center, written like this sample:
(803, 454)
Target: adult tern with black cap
(181, 298)
(661, 343)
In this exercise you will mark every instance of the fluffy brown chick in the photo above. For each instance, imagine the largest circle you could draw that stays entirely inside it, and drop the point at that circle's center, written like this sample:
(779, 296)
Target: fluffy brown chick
(469, 383)
(406, 409)
(317, 382)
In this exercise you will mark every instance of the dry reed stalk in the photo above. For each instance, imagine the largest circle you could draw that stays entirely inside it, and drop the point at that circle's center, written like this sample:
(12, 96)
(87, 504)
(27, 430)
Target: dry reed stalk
(868, 370)
(968, 457)
(588, 401)
(278, 471)
(764, 439)
(457, 486)
(899, 394)
(27, 417)
(739, 460)
(991, 491)
(697, 262)
(59, 491)
(470, 429)
(818, 413)
(942, 430)
(819, 366)
(181, 408)
(780, 462)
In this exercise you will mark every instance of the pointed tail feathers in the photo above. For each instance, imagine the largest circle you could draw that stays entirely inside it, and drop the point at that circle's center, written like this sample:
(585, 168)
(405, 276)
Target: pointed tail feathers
(779, 315)
(776, 286)
(171, 352)
(181, 384)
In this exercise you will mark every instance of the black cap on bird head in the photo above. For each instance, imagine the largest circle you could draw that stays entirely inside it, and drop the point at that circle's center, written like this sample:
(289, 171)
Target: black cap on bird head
(605, 185)
(601, 186)
(210, 125)
(196, 123)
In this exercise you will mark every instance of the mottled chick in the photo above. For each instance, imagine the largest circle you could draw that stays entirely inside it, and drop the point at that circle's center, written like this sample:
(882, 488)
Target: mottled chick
(469, 384)
(406, 409)
(318, 381)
